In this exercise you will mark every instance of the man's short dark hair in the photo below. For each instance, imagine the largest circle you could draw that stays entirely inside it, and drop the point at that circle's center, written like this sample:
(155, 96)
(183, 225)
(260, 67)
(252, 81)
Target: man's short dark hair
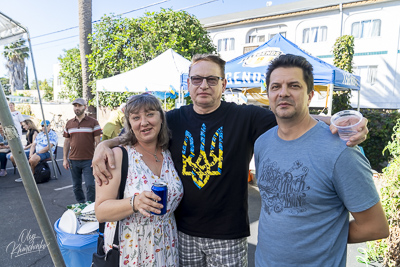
(292, 61)
(209, 57)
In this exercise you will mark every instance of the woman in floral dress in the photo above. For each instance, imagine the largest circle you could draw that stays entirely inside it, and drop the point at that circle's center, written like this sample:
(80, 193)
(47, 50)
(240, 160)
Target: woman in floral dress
(145, 239)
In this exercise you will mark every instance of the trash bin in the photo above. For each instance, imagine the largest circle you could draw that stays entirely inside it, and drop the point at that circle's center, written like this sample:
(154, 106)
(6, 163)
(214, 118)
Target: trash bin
(77, 250)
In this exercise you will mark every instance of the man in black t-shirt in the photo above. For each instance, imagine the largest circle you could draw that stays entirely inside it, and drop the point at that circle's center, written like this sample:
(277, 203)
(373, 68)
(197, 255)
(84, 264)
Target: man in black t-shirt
(211, 146)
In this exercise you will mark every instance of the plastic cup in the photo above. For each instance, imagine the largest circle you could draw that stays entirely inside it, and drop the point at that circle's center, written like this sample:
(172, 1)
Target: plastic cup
(347, 122)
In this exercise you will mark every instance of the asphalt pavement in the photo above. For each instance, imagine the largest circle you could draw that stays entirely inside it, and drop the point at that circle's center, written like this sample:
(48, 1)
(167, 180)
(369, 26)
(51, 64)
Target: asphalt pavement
(19, 227)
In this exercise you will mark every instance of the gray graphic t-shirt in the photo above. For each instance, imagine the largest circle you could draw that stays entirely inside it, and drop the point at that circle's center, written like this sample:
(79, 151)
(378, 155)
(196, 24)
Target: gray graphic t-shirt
(308, 186)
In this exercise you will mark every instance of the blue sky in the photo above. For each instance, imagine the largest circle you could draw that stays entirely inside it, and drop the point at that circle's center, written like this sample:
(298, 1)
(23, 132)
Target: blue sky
(47, 16)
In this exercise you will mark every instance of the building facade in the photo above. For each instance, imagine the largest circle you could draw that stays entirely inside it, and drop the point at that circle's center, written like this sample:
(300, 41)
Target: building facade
(314, 26)
(58, 85)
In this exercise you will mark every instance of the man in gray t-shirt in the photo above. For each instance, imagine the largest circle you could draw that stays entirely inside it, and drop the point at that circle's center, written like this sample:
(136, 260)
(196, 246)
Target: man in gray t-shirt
(309, 180)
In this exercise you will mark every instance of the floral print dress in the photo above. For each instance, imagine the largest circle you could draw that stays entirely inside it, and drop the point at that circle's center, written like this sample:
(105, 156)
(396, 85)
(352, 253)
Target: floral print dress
(148, 241)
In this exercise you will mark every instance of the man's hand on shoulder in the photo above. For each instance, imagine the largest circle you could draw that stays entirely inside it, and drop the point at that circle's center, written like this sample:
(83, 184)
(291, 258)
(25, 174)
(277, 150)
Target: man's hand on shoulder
(103, 155)
(355, 139)
(358, 138)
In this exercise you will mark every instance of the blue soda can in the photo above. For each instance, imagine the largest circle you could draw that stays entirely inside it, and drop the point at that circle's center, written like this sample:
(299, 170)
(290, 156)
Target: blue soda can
(161, 190)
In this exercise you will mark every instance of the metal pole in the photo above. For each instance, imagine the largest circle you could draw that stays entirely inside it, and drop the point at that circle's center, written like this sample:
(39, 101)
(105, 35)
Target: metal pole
(31, 189)
(41, 107)
(330, 98)
(97, 106)
(341, 18)
(165, 101)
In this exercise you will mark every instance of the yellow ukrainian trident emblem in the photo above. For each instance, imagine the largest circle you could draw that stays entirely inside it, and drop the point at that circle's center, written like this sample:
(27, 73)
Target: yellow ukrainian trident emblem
(204, 166)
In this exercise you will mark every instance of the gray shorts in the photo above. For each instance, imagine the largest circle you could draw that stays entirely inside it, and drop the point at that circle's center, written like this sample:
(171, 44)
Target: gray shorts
(201, 252)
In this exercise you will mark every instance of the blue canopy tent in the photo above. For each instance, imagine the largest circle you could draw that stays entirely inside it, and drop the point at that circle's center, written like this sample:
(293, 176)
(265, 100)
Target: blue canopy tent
(248, 70)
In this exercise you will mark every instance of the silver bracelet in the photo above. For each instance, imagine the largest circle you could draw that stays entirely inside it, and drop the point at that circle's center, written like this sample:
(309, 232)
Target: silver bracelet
(131, 201)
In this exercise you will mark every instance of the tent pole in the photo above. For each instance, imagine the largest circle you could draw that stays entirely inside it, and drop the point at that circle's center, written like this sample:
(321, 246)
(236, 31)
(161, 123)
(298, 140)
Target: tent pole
(97, 105)
(29, 183)
(330, 98)
(41, 107)
(25, 171)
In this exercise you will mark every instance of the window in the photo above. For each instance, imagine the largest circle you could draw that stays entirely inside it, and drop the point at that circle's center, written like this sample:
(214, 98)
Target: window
(249, 48)
(367, 73)
(315, 34)
(366, 28)
(271, 35)
(256, 38)
(226, 44)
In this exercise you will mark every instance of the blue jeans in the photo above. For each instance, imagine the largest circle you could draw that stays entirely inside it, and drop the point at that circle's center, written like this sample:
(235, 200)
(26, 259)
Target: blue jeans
(77, 168)
(3, 160)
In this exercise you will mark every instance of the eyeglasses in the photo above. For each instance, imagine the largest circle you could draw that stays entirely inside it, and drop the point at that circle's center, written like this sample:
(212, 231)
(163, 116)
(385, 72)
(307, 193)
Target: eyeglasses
(211, 80)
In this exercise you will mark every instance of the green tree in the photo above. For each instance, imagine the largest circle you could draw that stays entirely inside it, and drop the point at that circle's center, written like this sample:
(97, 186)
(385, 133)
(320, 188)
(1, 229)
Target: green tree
(48, 90)
(33, 85)
(388, 249)
(71, 72)
(121, 44)
(15, 54)
(343, 52)
(26, 84)
(5, 83)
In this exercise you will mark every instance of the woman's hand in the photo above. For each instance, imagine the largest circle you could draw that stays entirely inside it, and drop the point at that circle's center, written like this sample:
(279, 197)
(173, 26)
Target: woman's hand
(146, 202)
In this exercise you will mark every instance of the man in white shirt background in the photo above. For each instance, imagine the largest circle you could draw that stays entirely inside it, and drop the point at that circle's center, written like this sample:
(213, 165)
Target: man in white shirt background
(17, 117)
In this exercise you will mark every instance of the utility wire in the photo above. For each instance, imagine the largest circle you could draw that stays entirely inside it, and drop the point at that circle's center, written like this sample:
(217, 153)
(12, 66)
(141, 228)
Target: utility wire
(196, 5)
(57, 40)
(100, 20)
(204, 3)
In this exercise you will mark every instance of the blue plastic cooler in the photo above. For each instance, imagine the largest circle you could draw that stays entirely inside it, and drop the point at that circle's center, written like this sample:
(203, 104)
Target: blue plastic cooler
(77, 250)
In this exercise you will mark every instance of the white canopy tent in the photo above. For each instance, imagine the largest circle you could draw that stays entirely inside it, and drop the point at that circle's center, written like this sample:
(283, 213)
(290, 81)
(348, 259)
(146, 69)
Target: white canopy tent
(11, 31)
(156, 75)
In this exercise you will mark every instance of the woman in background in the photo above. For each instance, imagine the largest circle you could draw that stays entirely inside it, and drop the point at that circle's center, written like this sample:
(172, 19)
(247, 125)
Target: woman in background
(4, 149)
(32, 131)
(31, 134)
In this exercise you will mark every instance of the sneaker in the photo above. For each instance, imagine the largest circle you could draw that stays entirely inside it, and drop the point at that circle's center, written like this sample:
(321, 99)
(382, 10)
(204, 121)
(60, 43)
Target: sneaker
(3, 172)
(19, 180)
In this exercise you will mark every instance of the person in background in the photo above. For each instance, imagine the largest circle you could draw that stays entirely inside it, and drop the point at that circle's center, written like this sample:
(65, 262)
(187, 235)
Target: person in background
(4, 148)
(82, 135)
(31, 134)
(40, 149)
(211, 146)
(17, 118)
(145, 239)
(309, 180)
(114, 124)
